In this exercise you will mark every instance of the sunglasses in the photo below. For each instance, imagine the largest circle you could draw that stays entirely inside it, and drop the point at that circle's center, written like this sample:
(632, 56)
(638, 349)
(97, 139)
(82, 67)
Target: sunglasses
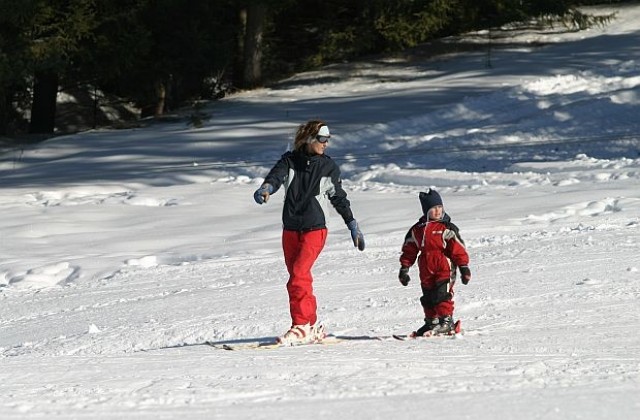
(322, 139)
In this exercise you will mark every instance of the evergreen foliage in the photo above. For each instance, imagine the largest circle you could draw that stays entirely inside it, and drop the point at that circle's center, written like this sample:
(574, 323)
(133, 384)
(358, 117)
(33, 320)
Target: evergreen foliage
(162, 54)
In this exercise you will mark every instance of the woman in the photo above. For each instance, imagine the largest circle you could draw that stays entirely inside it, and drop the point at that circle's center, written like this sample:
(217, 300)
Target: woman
(311, 179)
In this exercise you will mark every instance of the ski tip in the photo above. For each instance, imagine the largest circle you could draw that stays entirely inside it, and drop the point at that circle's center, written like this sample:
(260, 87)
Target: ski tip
(403, 337)
(457, 327)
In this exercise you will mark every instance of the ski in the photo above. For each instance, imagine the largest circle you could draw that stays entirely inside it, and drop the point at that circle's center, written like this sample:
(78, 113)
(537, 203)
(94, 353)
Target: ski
(456, 332)
(271, 343)
(264, 345)
(267, 344)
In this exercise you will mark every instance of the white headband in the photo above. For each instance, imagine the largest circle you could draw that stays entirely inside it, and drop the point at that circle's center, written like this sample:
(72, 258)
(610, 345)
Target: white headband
(324, 131)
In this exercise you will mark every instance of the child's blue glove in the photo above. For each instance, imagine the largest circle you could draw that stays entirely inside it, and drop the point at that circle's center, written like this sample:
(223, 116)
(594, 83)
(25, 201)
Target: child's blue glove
(356, 235)
(403, 276)
(262, 194)
(465, 274)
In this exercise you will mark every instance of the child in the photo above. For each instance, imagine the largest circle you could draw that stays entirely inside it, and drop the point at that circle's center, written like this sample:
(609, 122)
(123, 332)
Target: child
(437, 245)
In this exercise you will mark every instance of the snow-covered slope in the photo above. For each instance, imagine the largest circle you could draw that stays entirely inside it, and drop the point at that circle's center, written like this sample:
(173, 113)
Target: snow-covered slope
(121, 252)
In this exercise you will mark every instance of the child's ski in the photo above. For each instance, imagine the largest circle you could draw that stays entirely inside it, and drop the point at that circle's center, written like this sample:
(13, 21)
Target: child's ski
(457, 330)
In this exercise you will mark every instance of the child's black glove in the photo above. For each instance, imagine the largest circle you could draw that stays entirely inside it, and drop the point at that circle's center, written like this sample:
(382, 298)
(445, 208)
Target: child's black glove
(403, 276)
(465, 274)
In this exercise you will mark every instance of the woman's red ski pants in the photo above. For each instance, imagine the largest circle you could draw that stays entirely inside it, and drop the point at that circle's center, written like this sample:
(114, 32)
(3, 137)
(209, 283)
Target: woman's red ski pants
(301, 249)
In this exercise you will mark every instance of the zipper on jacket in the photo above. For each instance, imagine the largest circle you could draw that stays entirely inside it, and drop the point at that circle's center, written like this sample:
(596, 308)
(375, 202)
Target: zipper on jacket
(424, 249)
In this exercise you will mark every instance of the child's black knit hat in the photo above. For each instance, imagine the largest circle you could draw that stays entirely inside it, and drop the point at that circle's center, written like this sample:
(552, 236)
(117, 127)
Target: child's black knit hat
(429, 199)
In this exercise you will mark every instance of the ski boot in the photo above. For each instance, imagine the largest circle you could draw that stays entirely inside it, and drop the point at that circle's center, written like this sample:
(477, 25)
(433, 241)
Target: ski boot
(303, 334)
(445, 325)
(427, 328)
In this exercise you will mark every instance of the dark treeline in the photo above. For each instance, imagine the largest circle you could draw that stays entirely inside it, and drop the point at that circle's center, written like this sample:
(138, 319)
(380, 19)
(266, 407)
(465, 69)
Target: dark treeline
(161, 54)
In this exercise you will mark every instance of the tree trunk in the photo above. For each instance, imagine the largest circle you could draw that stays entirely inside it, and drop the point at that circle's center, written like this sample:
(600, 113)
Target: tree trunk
(161, 98)
(238, 57)
(43, 107)
(252, 72)
(5, 106)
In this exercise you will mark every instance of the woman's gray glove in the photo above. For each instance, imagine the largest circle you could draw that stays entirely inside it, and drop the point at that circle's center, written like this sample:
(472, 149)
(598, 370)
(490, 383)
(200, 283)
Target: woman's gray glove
(356, 235)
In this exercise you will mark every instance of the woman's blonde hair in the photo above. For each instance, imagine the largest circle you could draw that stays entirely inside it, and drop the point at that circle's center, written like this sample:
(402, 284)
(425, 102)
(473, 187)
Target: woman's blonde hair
(305, 132)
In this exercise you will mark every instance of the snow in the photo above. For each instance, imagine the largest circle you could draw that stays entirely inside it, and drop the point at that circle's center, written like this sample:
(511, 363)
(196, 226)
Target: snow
(121, 252)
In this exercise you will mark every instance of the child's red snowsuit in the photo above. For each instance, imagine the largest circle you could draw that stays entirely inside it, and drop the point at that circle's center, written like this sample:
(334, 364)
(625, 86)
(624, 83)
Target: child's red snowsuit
(439, 249)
